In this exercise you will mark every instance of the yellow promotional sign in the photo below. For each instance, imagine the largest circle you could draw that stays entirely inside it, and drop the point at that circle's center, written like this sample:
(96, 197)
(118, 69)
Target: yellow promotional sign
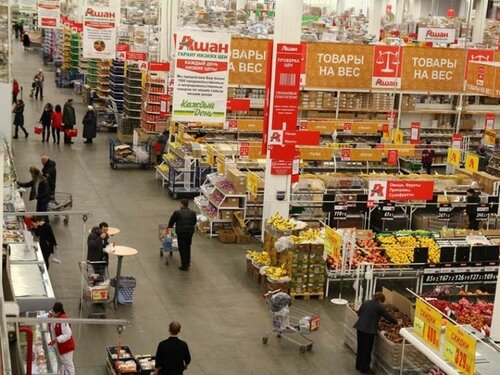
(333, 244)
(471, 162)
(221, 163)
(460, 348)
(490, 136)
(365, 128)
(250, 125)
(398, 137)
(252, 183)
(427, 324)
(365, 154)
(322, 126)
(181, 132)
(210, 156)
(316, 153)
(144, 78)
(454, 156)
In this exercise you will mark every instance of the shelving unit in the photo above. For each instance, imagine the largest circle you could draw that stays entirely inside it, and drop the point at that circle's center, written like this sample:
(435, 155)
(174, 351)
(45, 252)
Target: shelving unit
(66, 49)
(116, 82)
(103, 79)
(92, 74)
(75, 53)
(150, 110)
(131, 101)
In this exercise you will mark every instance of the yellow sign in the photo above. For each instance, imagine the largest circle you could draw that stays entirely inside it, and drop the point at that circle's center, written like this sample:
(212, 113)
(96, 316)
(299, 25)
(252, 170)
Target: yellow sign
(365, 154)
(210, 156)
(427, 324)
(316, 153)
(398, 137)
(454, 156)
(250, 125)
(460, 348)
(471, 162)
(365, 127)
(144, 78)
(333, 244)
(490, 136)
(339, 146)
(322, 126)
(252, 183)
(221, 163)
(181, 132)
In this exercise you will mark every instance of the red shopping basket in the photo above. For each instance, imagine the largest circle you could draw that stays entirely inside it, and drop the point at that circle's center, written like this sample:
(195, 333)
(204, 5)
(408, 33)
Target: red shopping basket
(38, 129)
(72, 133)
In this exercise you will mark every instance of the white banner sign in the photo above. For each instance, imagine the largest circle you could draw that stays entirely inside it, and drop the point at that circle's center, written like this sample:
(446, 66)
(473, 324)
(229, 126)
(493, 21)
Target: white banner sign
(49, 13)
(27, 6)
(436, 35)
(99, 32)
(201, 76)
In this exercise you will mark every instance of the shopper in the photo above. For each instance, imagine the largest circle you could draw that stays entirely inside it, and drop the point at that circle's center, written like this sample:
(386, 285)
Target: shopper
(62, 338)
(39, 79)
(172, 355)
(15, 90)
(369, 315)
(428, 157)
(46, 120)
(45, 236)
(16, 30)
(484, 159)
(184, 221)
(97, 241)
(57, 123)
(18, 111)
(473, 201)
(89, 125)
(26, 41)
(40, 189)
(50, 173)
(68, 119)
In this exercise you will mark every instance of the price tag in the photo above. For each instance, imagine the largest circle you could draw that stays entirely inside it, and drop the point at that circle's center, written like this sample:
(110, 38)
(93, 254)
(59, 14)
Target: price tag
(445, 211)
(388, 209)
(482, 212)
(460, 349)
(340, 211)
(347, 127)
(333, 244)
(427, 324)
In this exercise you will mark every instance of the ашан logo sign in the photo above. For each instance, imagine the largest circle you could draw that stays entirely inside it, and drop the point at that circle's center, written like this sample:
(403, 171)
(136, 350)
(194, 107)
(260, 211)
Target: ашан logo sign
(192, 45)
(90, 12)
(437, 34)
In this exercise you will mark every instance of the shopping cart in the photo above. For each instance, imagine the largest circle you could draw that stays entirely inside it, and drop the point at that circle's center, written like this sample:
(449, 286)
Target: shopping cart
(168, 241)
(95, 294)
(288, 322)
(61, 202)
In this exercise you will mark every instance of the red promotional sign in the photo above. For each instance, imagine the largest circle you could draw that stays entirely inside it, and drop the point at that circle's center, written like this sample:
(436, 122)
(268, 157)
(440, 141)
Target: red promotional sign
(164, 106)
(387, 67)
(202, 67)
(238, 104)
(345, 154)
(121, 51)
(489, 122)
(456, 141)
(282, 167)
(244, 150)
(479, 55)
(159, 66)
(232, 125)
(415, 133)
(392, 157)
(135, 56)
(48, 22)
(303, 65)
(308, 137)
(287, 152)
(347, 127)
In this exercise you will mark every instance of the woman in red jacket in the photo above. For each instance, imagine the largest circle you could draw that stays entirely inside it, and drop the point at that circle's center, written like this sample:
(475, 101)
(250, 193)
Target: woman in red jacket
(15, 90)
(63, 339)
(57, 123)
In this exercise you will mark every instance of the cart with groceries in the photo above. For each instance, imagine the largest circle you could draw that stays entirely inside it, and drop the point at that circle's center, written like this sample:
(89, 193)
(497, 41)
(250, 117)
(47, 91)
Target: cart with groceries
(168, 242)
(288, 322)
(95, 294)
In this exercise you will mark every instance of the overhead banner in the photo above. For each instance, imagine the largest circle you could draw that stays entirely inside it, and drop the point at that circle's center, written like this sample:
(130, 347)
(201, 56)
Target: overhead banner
(27, 6)
(49, 13)
(248, 62)
(387, 62)
(339, 65)
(99, 32)
(201, 76)
(400, 190)
(482, 78)
(436, 35)
(433, 69)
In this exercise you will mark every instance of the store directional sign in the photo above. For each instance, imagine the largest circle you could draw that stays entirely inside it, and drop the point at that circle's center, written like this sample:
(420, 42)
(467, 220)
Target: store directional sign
(427, 324)
(460, 349)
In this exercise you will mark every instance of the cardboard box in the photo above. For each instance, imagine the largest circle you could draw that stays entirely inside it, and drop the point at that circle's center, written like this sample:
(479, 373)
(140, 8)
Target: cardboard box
(226, 236)
(238, 179)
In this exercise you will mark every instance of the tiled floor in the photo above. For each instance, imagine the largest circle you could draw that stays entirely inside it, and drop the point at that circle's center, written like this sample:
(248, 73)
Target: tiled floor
(222, 311)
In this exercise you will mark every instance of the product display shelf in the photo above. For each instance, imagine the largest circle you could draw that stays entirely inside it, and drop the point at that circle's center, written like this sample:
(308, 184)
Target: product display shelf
(44, 356)
(103, 79)
(152, 91)
(49, 46)
(75, 52)
(66, 49)
(117, 81)
(92, 74)
(219, 204)
(132, 91)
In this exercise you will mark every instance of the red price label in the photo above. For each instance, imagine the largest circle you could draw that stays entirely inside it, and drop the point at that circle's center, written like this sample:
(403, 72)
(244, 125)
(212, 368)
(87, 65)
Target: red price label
(347, 126)
(431, 336)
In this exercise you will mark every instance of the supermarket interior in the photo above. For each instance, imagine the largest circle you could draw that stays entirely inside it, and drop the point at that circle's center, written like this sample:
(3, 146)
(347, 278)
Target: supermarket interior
(250, 187)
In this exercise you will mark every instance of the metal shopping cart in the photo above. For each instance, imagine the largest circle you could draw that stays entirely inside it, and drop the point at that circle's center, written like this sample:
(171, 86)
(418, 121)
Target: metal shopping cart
(168, 242)
(288, 322)
(61, 202)
(95, 294)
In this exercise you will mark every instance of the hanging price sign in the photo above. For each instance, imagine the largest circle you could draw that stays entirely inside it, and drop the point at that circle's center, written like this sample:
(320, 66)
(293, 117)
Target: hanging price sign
(427, 324)
(460, 349)
(444, 212)
(210, 156)
(333, 244)
(340, 211)
(221, 163)
(252, 183)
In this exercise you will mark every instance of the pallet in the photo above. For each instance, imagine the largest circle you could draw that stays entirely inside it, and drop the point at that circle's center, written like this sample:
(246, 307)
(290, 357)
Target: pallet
(307, 296)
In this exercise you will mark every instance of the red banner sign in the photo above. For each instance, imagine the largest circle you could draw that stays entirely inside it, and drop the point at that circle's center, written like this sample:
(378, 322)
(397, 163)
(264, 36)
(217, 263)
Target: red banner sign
(164, 105)
(392, 157)
(135, 56)
(238, 104)
(415, 133)
(387, 67)
(244, 150)
(159, 66)
(489, 122)
(401, 190)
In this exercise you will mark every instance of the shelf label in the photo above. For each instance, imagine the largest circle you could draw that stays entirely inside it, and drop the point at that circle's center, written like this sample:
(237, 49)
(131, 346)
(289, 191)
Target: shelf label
(333, 244)
(365, 154)
(250, 125)
(316, 153)
(471, 162)
(460, 348)
(244, 150)
(387, 209)
(444, 211)
(489, 122)
(454, 157)
(427, 324)
(483, 212)
(340, 211)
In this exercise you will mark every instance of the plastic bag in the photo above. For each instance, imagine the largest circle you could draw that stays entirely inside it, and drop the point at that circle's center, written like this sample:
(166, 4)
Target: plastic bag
(283, 243)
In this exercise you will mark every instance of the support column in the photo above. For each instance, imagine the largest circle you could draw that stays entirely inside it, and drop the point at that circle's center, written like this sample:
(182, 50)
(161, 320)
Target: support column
(340, 7)
(479, 21)
(287, 29)
(172, 8)
(400, 7)
(164, 34)
(375, 17)
(495, 323)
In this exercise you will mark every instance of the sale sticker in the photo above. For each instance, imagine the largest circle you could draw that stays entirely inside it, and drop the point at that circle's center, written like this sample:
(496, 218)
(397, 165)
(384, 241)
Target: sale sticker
(415, 133)
(460, 348)
(333, 244)
(392, 157)
(489, 122)
(427, 324)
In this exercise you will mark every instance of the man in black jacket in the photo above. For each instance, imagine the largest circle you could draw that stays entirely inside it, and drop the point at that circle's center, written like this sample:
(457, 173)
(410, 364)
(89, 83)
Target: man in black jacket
(369, 315)
(50, 173)
(184, 221)
(471, 209)
(96, 243)
(172, 356)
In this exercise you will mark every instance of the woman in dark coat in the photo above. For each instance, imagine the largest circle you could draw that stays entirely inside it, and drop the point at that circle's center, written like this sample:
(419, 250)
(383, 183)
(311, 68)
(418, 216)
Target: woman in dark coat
(26, 41)
(19, 118)
(40, 189)
(89, 125)
(46, 120)
(46, 237)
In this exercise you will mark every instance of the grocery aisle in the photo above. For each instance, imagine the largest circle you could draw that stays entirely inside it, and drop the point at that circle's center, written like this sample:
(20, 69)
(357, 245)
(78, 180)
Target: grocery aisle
(221, 310)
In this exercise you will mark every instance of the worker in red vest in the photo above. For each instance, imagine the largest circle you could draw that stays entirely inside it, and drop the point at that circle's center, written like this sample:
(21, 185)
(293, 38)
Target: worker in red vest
(63, 339)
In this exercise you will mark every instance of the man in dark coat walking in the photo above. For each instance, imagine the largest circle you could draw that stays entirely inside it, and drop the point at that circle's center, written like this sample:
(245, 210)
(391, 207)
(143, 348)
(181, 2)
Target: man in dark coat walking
(68, 119)
(89, 125)
(184, 221)
(50, 173)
